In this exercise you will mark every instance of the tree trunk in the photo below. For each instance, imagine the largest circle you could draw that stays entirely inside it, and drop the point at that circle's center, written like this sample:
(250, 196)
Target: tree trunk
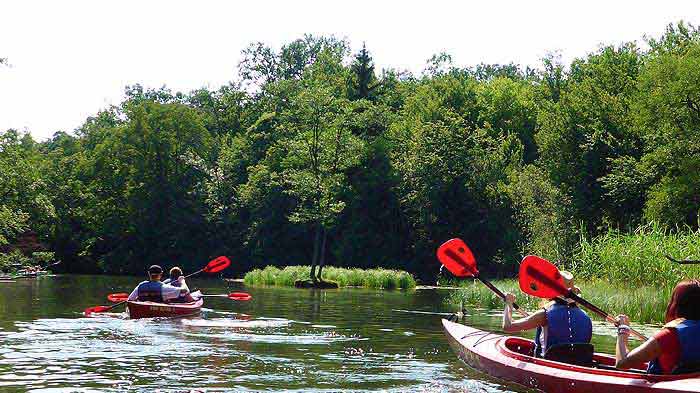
(322, 261)
(314, 260)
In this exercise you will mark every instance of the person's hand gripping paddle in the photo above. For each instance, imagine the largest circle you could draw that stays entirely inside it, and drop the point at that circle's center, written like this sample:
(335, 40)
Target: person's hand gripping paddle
(541, 278)
(459, 260)
(214, 266)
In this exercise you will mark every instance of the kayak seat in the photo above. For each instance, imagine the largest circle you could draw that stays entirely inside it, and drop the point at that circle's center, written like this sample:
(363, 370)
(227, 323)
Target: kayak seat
(578, 354)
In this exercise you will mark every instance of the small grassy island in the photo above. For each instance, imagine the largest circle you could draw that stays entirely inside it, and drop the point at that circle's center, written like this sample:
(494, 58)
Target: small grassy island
(366, 278)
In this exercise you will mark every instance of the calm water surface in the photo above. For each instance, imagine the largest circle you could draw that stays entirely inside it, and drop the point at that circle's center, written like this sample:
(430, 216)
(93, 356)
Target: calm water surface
(293, 340)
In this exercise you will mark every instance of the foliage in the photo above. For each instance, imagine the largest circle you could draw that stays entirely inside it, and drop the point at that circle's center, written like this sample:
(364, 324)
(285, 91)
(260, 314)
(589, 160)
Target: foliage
(543, 215)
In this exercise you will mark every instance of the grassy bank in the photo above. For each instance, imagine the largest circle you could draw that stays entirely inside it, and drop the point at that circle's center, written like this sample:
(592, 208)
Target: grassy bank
(370, 278)
(638, 258)
(643, 304)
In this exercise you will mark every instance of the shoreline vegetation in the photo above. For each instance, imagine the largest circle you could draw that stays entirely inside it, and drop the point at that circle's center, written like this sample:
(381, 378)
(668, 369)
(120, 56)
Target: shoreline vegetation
(365, 278)
(618, 272)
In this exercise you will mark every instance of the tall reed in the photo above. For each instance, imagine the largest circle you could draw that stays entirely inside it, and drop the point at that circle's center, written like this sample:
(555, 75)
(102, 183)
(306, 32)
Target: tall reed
(639, 257)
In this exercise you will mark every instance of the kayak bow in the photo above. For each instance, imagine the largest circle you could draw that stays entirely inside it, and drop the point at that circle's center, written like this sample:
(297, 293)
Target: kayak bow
(509, 358)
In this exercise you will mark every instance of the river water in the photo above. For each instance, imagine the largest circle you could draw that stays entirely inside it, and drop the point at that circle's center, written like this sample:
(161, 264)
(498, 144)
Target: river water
(284, 339)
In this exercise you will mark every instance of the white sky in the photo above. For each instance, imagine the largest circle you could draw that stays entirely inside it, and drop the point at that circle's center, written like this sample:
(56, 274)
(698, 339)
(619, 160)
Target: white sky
(71, 58)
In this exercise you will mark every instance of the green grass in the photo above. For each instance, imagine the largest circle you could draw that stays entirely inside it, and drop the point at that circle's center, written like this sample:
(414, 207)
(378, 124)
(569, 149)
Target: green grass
(370, 278)
(643, 304)
(638, 258)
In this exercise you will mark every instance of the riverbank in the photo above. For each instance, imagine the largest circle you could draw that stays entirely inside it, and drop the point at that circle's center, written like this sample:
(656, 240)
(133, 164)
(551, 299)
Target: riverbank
(369, 278)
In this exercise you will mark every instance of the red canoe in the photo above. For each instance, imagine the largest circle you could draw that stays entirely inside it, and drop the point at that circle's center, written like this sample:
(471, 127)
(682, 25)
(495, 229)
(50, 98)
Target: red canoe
(508, 358)
(172, 310)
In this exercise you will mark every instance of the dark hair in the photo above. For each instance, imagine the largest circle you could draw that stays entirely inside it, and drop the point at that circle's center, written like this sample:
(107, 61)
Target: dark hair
(155, 269)
(685, 301)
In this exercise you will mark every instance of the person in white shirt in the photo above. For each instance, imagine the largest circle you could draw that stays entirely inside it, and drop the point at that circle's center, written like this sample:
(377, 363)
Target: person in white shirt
(154, 290)
(178, 280)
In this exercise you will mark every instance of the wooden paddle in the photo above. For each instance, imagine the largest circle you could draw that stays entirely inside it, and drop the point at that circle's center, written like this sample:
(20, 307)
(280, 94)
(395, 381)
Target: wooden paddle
(541, 278)
(214, 266)
(459, 260)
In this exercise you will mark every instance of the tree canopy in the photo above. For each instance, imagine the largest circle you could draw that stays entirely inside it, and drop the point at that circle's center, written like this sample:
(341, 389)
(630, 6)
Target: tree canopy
(313, 155)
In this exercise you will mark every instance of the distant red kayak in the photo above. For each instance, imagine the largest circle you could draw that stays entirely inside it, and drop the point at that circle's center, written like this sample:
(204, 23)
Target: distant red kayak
(508, 358)
(171, 310)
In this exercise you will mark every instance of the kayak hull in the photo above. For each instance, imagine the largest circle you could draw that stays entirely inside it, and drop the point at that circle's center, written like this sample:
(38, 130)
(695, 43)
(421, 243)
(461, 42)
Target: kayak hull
(508, 358)
(154, 310)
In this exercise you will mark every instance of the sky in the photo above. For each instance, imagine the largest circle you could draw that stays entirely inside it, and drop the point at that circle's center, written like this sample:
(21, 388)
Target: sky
(69, 59)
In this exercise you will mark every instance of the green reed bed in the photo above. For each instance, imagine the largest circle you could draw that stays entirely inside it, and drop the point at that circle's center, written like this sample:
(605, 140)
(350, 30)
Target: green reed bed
(370, 278)
(643, 304)
(638, 258)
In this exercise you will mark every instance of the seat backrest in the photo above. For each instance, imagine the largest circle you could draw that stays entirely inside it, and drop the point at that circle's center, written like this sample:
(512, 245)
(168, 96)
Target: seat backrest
(578, 354)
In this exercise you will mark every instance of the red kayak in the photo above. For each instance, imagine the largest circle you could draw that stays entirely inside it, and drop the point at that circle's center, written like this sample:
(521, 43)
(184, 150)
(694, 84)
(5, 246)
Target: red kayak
(509, 358)
(170, 310)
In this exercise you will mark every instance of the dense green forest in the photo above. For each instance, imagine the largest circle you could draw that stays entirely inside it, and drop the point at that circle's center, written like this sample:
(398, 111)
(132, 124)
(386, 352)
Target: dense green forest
(311, 154)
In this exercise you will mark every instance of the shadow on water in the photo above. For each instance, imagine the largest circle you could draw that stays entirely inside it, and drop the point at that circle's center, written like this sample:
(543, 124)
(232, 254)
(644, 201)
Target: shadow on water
(283, 340)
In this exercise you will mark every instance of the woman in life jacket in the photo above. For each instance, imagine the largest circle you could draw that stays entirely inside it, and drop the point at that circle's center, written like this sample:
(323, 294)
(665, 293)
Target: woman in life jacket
(675, 349)
(559, 321)
(178, 280)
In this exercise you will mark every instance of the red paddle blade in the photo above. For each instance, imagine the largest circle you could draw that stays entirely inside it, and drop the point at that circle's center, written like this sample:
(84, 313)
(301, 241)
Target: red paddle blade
(457, 258)
(117, 297)
(217, 265)
(539, 277)
(95, 309)
(242, 296)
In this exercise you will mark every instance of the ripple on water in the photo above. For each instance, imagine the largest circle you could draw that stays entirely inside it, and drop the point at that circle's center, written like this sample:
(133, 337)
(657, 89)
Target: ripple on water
(233, 323)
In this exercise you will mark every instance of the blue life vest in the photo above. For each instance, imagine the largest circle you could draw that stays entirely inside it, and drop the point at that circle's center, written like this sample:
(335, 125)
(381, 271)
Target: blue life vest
(688, 332)
(566, 324)
(149, 291)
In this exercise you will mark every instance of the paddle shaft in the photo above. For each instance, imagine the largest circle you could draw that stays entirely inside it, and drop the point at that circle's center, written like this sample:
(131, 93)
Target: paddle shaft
(113, 306)
(222, 295)
(684, 261)
(192, 274)
(499, 293)
(578, 299)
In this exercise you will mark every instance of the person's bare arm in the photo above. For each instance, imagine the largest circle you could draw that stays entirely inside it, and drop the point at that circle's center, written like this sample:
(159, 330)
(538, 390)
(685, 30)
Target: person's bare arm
(646, 352)
(530, 322)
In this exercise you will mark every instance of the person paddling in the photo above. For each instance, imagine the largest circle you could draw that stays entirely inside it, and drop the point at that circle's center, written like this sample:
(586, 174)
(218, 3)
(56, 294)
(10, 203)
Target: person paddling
(178, 280)
(154, 290)
(560, 321)
(675, 349)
